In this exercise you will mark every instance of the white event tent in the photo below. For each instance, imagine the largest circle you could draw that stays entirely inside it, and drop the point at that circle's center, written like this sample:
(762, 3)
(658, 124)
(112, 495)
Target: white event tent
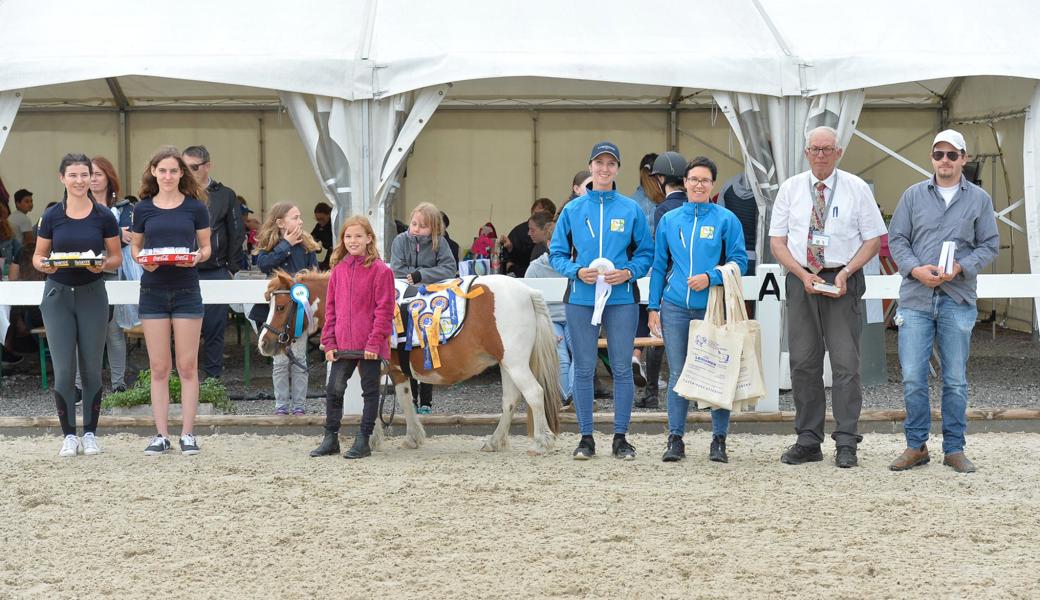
(360, 79)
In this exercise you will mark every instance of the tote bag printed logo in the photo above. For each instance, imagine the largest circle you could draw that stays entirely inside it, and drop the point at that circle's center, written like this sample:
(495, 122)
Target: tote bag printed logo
(617, 225)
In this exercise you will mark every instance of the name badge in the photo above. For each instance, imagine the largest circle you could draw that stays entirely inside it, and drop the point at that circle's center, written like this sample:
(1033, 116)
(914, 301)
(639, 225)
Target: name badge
(707, 232)
(617, 225)
(821, 240)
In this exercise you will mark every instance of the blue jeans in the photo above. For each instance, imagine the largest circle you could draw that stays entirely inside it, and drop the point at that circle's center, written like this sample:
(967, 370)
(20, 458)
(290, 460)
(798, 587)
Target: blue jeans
(949, 324)
(619, 321)
(675, 327)
(563, 351)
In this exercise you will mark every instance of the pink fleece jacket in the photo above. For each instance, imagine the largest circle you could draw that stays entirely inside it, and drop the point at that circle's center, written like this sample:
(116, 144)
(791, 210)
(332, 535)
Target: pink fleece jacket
(359, 307)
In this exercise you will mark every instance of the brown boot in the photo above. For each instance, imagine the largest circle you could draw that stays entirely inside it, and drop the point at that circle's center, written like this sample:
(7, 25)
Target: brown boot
(959, 462)
(910, 458)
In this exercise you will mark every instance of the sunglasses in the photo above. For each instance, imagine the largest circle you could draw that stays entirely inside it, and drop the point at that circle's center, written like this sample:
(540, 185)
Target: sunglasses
(195, 168)
(953, 155)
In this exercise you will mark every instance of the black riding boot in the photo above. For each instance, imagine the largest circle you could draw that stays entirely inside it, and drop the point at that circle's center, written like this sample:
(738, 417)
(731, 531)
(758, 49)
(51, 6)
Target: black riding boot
(360, 448)
(329, 445)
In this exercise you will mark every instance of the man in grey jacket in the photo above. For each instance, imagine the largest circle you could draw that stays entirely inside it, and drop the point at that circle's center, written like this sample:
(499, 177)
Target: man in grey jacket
(935, 304)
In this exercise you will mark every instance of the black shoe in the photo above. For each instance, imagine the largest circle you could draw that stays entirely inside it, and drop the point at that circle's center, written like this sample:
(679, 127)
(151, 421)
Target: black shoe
(9, 359)
(329, 445)
(649, 399)
(118, 389)
(717, 453)
(676, 450)
(567, 401)
(798, 454)
(638, 376)
(622, 449)
(157, 446)
(845, 458)
(586, 448)
(189, 446)
(360, 449)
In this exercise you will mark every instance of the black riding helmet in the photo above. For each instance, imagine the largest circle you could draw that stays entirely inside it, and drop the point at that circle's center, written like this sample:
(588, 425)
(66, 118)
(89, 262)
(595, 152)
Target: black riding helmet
(672, 166)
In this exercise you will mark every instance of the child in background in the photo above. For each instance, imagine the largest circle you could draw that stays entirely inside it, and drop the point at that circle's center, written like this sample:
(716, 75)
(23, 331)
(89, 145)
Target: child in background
(359, 313)
(484, 243)
(421, 255)
(283, 244)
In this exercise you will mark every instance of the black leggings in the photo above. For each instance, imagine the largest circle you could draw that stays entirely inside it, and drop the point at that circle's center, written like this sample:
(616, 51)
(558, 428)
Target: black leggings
(76, 318)
(341, 372)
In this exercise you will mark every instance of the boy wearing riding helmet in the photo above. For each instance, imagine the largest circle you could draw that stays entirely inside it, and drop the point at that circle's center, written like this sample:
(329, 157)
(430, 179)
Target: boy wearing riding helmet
(603, 245)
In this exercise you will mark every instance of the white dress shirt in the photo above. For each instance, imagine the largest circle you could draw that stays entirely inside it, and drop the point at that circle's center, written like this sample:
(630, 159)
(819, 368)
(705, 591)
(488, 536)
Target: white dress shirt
(853, 216)
(19, 222)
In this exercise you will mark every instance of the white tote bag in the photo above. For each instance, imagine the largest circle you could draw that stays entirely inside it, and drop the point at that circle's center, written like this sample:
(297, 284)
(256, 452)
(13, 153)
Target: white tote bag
(712, 367)
(750, 383)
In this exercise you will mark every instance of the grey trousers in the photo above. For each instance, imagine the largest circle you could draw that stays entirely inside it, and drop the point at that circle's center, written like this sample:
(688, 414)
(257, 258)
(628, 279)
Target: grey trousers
(290, 381)
(115, 348)
(817, 323)
(76, 318)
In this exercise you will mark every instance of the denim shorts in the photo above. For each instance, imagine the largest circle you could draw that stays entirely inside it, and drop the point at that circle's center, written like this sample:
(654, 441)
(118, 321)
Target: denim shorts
(158, 303)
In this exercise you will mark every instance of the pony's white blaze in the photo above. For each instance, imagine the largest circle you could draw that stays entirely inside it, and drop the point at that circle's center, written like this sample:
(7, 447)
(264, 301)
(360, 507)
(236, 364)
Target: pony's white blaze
(263, 330)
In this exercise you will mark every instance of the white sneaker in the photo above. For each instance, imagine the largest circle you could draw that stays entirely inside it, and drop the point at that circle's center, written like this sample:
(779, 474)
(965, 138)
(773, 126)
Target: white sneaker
(70, 447)
(189, 445)
(90, 445)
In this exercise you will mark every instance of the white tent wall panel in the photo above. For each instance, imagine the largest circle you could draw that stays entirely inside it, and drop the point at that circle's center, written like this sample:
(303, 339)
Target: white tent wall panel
(289, 175)
(37, 143)
(895, 129)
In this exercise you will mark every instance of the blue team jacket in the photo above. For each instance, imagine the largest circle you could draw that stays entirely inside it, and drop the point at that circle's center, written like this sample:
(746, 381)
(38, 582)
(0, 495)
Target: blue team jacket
(689, 242)
(601, 224)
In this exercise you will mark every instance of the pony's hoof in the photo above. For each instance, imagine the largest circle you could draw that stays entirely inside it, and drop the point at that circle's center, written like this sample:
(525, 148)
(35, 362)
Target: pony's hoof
(535, 452)
(409, 444)
(487, 447)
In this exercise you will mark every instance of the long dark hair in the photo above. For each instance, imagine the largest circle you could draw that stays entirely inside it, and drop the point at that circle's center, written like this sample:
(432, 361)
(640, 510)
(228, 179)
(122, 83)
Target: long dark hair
(187, 185)
(73, 158)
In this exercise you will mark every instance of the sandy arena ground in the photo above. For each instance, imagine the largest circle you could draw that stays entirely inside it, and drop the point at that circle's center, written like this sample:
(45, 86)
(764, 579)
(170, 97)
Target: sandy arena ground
(254, 516)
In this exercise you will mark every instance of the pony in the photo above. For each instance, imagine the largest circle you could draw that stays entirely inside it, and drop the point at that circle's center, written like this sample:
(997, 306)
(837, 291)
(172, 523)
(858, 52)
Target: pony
(508, 325)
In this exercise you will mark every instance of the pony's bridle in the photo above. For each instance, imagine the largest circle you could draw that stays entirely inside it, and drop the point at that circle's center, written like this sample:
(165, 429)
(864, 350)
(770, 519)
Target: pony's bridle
(284, 336)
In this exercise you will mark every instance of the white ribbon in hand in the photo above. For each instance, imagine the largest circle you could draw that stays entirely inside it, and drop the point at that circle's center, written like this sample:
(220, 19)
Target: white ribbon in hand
(603, 288)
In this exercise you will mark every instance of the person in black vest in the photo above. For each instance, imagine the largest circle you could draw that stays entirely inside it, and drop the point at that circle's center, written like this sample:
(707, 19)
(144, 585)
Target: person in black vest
(322, 232)
(225, 220)
(75, 302)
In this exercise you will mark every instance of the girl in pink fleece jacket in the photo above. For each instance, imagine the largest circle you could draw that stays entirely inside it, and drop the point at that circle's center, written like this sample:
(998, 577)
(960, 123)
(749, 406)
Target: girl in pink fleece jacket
(359, 312)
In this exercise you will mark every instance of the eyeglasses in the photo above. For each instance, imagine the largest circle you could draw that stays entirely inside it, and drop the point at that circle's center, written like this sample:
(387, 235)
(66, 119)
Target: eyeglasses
(195, 168)
(693, 181)
(953, 155)
(821, 150)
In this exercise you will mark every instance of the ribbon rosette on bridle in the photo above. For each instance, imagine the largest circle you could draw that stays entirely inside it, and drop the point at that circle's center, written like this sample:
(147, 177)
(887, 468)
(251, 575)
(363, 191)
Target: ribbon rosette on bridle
(304, 311)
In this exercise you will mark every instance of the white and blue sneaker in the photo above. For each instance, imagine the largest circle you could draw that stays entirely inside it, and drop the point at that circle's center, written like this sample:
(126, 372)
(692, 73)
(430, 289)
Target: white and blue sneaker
(158, 446)
(90, 445)
(188, 445)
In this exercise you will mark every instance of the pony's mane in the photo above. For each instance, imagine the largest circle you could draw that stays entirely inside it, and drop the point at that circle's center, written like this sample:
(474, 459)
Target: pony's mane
(281, 280)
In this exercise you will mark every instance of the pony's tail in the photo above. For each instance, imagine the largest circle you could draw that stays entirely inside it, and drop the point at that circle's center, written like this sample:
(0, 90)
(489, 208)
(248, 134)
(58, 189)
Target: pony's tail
(545, 363)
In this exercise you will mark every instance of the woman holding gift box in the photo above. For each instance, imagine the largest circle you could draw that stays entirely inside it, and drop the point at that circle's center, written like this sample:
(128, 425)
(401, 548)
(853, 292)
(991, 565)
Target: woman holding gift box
(171, 215)
(75, 303)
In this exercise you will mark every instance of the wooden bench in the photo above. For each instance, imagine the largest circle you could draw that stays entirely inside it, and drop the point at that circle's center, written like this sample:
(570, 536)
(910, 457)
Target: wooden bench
(640, 342)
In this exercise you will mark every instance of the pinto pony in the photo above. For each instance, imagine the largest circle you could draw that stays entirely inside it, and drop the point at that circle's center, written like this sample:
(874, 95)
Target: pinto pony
(508, 325)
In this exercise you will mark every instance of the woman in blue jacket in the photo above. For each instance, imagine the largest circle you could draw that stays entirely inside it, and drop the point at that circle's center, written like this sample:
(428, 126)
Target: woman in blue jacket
(603, 245)
(690, 243)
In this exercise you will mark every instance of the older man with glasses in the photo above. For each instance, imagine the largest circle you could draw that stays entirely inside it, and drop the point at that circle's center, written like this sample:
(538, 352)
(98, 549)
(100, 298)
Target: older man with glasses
(825, 227)
(228, 233)
(937, 300)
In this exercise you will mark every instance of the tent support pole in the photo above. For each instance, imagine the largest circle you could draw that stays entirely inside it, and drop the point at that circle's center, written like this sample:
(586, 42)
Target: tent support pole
(535, 153)
(262, 140)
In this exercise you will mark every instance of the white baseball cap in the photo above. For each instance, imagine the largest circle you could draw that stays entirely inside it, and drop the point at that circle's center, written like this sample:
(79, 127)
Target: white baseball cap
(954, 138)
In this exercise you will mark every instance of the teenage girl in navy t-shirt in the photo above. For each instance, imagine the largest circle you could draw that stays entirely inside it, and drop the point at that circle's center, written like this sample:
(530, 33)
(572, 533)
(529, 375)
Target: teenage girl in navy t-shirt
(170, 215)
(75, 303)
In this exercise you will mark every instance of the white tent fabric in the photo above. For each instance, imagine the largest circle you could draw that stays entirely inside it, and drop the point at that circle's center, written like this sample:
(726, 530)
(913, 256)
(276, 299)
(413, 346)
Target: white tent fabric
(359, 148)
(9, 102)
(771, 132)
(1031, 175)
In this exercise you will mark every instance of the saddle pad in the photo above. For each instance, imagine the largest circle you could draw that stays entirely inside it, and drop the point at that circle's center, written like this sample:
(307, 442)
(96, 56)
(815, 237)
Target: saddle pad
(418, 304)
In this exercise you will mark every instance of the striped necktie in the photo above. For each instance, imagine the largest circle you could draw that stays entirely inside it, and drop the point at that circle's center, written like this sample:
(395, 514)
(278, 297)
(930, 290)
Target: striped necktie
(813, 252)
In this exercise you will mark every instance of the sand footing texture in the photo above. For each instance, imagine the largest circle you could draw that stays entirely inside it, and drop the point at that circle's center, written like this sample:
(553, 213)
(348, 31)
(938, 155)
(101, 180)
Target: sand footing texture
(254, 516)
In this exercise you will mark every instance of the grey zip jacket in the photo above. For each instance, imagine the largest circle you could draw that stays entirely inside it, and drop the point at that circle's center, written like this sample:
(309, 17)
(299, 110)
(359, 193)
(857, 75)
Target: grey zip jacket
(414, 255)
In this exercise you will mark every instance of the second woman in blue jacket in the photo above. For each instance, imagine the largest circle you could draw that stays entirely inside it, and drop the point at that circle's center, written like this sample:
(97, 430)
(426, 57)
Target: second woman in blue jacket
(602, 233)
(689, 245)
